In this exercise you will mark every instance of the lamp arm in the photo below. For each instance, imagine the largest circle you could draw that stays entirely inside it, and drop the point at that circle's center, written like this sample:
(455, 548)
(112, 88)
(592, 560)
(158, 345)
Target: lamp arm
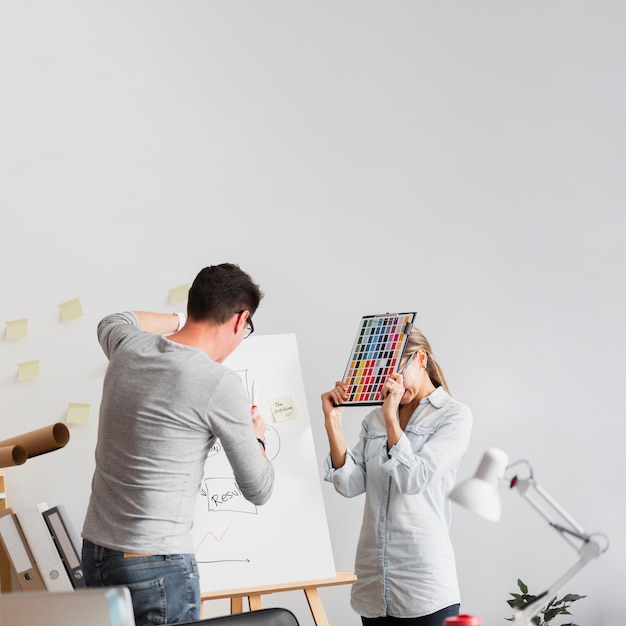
(570, 530)
(523, 617)
(550, 510)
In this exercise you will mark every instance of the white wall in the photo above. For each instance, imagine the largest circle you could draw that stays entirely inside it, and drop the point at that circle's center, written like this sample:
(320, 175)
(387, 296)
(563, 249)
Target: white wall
(465, 160)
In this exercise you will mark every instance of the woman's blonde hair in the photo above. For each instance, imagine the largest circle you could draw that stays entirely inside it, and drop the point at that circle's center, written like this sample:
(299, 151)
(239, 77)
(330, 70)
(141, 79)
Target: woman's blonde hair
(417, 341)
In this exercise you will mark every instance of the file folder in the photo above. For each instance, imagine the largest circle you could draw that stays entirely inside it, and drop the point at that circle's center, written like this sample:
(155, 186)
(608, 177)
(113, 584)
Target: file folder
(66, 542)
(20, 557)
(42, 546)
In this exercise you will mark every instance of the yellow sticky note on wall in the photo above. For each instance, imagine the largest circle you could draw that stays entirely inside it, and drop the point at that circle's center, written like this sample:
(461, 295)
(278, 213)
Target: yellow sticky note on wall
(179, 294)
(77, 413)
(71, 309)
(16, 329)
(27, 370)
(283, 409)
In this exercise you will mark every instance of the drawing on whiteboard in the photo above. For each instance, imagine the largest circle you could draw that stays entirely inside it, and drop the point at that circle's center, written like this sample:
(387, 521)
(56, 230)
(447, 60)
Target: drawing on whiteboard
(236, 544)
(222, 492)
(223, 495)
(249, 386)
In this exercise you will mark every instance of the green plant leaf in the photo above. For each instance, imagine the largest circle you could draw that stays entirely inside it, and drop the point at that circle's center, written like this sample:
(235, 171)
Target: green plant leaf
(572, 597)
(518, 600)
(550, 614)
(554, 608)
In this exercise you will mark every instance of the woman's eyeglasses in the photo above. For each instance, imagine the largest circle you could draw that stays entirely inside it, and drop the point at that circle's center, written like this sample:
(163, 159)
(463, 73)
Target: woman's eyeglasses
(407, 363)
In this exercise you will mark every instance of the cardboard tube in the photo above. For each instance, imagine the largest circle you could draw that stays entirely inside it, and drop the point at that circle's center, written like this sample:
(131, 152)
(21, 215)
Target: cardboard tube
(12, 455)
(42, 440)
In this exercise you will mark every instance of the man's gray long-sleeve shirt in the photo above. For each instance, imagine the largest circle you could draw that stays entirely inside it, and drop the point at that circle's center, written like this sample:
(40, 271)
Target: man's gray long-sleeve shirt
(163, 407)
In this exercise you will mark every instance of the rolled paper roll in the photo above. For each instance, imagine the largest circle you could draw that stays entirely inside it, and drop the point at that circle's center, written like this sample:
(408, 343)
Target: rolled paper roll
(42, 440)
(12, 455)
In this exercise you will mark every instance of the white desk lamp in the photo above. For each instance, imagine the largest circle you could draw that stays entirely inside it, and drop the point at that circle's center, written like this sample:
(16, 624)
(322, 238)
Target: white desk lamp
(480, 495)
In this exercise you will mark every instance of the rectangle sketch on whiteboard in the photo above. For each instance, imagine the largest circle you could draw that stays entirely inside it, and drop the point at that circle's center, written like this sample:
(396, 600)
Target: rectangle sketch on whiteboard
(239, 545)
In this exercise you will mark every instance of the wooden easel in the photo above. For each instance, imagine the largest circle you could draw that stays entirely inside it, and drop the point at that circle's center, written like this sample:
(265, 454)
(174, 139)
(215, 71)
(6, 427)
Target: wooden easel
(309, 587)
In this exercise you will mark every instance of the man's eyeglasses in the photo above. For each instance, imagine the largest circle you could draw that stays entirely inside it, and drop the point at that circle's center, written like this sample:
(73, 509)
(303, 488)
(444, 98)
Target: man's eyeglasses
(250, 328)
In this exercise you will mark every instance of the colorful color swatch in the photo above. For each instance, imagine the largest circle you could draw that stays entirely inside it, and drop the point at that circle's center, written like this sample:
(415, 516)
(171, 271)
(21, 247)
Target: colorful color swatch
(376, 354)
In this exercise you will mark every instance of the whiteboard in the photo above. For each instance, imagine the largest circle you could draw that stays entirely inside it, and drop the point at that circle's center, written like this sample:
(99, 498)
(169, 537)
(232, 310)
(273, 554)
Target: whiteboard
(240, 545)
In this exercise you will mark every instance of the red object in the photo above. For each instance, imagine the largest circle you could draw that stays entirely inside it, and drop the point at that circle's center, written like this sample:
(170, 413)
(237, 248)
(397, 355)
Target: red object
(463, 620)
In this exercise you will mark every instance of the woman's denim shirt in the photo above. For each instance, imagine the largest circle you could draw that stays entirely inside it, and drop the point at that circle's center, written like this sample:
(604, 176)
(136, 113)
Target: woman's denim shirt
(405, 563)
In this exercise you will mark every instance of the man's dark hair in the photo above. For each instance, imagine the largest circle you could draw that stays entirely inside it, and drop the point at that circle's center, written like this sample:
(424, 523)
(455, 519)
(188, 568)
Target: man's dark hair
(220, 291)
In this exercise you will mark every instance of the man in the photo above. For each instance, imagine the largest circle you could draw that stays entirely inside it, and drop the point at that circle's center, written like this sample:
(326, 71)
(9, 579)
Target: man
(166, 399)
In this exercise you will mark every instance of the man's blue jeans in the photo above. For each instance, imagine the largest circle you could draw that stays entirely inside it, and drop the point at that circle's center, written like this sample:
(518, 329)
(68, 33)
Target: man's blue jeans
(165, 588)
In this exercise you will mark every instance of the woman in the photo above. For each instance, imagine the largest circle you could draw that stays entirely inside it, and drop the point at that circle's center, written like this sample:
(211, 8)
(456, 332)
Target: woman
(405, 462)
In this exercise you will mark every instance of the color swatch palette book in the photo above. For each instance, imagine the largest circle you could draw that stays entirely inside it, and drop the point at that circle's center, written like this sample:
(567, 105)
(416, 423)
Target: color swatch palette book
(376, 353)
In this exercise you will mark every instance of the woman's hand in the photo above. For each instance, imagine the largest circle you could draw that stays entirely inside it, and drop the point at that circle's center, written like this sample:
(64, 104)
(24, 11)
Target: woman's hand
(332, 421)
(392, 391)
(331, 401)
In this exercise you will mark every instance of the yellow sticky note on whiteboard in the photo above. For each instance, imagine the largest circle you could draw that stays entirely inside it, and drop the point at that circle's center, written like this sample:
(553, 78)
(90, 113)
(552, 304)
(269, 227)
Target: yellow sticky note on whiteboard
(77, 413)
(283, 409)
(27, 370)
(16, 329)
(71, 309)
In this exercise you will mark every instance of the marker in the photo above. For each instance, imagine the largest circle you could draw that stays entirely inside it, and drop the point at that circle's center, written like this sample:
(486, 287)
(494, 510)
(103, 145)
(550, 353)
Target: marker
(253, 394)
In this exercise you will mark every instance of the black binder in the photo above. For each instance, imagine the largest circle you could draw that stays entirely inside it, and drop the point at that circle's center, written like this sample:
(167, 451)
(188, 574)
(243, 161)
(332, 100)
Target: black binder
(66, 542)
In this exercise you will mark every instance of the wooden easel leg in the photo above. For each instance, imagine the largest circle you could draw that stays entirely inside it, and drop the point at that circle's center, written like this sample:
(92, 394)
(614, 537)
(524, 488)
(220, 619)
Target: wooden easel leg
(254, 602)
(316, 606)
(236, 605)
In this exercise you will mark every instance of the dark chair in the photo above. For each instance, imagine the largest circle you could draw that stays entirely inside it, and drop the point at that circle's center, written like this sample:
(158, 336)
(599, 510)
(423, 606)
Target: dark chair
(262, 617)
